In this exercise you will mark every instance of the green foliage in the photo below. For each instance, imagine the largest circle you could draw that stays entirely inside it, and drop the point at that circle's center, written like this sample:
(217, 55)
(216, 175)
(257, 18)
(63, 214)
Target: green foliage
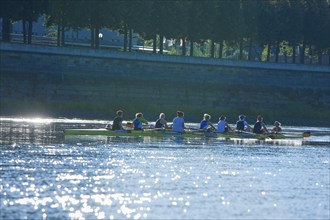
(266, 22)
(264, 54)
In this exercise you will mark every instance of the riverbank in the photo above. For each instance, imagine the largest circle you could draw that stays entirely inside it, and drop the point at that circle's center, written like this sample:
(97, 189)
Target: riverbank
(87, 83)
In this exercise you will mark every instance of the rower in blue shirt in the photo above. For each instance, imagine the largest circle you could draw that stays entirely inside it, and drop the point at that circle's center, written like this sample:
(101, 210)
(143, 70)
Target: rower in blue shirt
(206, 124)
(137, 122)
(178, 122)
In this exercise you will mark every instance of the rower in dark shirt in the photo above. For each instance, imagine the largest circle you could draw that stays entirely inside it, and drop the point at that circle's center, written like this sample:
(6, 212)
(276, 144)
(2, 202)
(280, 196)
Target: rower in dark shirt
(117, 121)
(259, 126)
(161, 122)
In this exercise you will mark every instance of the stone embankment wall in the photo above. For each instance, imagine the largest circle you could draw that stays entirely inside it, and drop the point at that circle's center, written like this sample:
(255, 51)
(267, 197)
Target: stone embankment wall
(71, 82)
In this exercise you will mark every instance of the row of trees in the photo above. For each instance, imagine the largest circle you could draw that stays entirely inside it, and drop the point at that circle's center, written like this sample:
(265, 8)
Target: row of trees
(232, 23)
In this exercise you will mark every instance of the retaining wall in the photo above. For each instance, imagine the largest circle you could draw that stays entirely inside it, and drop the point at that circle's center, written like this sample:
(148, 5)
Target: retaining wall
(71, 82)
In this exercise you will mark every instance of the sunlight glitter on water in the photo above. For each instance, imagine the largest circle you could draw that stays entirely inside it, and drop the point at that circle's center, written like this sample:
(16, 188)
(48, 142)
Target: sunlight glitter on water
(53, 120)
(47, 175)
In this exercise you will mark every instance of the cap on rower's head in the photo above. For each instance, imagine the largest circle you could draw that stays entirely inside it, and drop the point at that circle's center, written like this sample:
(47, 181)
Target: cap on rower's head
(180, 113)
(119, 112)
(161, 115)
(138, 115)
(207, 116)
(242, 117)
(277, 123)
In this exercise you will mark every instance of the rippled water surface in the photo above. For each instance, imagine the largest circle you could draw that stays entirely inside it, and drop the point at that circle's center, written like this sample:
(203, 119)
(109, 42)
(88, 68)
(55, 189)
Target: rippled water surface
(44, 174)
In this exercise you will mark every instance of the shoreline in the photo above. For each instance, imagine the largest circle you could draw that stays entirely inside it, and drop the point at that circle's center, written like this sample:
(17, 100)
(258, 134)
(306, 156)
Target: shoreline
(87, 83)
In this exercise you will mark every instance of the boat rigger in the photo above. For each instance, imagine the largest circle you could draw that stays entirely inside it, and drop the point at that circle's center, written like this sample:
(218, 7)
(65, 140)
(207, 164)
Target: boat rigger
(188, 134)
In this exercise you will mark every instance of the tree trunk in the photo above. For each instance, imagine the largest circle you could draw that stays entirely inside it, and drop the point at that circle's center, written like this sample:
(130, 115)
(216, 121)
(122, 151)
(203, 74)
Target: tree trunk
(311, 54)
(220, 49)
(130, 40)
(212, 49)
(30, 26)
(268, 52)
(183, 47)
(154, 44)
(319, 55)
(92, 37)
(125, 37)
(62, 34)
(161, 45)
(191, 50)
(97, 39)
(250, 49)
(241, 49)
(302, 53)
(58, 35)
(6, 29)
(294, 54)
(24, 30)
(277, 51)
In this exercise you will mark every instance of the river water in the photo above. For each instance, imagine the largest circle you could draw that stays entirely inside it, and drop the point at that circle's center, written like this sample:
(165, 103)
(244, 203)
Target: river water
(46, 175)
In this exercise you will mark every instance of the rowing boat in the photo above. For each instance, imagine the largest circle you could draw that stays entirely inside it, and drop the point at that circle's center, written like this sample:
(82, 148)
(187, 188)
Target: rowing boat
(166, 133)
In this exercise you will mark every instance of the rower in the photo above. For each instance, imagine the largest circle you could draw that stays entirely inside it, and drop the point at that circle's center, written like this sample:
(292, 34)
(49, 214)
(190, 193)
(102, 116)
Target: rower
(161, 122)
(206, 124)
(259, 126)
(178, 122)
(277, 129)
(242, 125)
(223, 126)
(137, 122)
(117, 121)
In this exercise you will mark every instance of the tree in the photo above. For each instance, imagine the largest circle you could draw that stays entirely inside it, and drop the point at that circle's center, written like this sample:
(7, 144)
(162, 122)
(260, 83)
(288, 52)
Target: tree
(64, 14)
(196, 23)
(294, 24)
(126, 15)
(231, 23)
(30, 11)
(249, 10)
(225, 22)
(310, 25)
(96, 14)
(322, 25)
(266, 24)
(8, 12)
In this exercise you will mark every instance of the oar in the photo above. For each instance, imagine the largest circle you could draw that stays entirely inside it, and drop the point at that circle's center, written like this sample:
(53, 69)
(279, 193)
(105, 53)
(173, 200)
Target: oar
(193, 130)
(262, 135)
(154, 129)
(244, 132)
(305, 134)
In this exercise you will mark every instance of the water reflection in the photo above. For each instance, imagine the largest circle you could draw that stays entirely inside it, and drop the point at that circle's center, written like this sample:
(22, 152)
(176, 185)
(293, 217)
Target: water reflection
(46, 175)
(48, 131)
(11, 132)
